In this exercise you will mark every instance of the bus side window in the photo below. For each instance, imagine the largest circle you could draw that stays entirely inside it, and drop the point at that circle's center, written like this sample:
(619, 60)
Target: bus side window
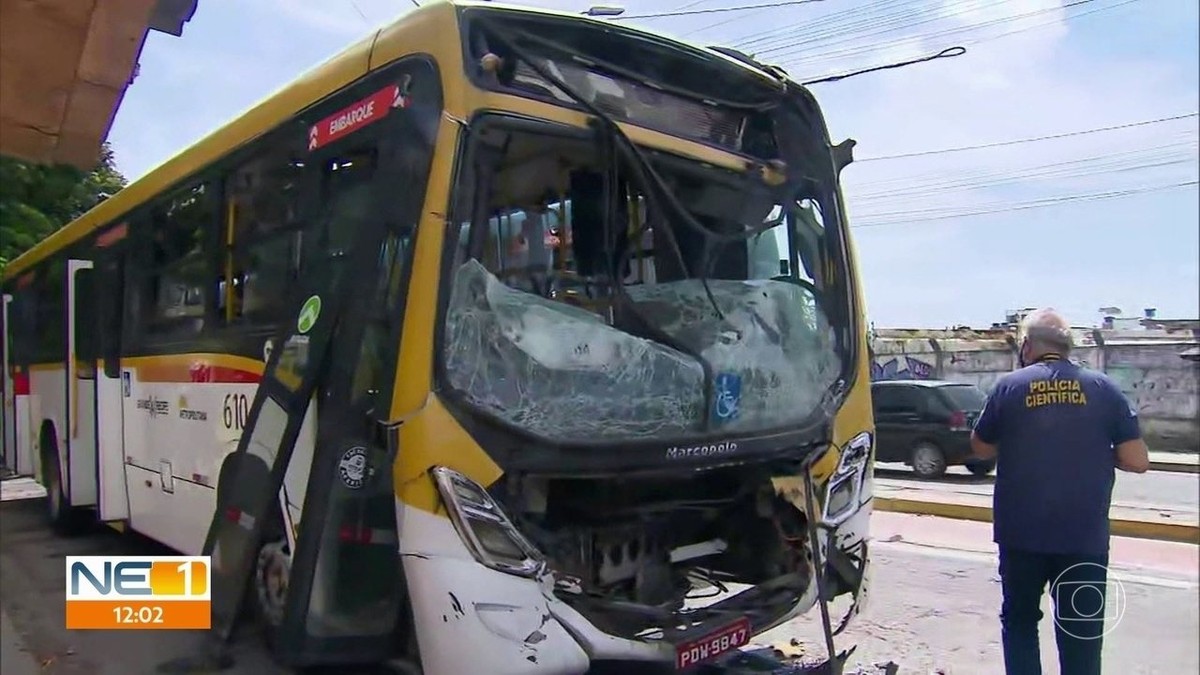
(23, 330)
(262, 236)
(49, 312)
(346, 192)
(180, 268)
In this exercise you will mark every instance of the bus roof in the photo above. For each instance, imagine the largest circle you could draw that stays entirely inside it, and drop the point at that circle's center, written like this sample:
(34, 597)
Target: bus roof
(309, 88)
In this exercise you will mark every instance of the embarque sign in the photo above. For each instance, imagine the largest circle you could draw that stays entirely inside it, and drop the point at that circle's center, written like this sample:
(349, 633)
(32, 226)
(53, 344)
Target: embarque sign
(356, 116)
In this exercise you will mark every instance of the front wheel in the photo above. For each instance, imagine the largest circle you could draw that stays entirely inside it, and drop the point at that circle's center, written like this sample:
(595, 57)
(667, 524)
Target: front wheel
(928, 461)
(272, 574)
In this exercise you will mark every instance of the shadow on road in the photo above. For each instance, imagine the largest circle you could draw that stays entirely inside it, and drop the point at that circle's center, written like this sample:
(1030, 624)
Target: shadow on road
(947, 478)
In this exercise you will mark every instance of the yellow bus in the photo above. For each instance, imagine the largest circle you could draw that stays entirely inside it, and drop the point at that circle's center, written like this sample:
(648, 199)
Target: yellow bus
(596, 394)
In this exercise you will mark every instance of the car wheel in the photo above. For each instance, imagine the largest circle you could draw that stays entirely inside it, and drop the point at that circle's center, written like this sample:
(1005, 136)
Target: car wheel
(980, 468)
(927, 460)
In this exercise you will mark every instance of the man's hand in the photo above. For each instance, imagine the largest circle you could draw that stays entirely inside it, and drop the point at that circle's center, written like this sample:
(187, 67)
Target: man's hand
(1133, 456)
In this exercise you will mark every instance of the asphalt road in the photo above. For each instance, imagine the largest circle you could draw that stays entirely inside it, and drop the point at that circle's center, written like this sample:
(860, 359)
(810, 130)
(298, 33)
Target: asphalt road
(32, 583)
(1179, 491)
(936, 602)
(934, 605)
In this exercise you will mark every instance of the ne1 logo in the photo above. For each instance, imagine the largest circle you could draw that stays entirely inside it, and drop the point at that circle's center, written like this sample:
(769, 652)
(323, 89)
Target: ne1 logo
(139, 592)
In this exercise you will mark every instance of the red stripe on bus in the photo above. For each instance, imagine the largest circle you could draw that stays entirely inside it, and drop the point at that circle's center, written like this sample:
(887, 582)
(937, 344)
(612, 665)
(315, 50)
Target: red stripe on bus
(20, 380)
(112, 236)
(222, 374)
(197, 372)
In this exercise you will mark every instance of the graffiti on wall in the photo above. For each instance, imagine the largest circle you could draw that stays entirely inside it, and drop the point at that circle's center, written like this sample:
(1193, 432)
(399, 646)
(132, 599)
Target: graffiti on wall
(901, 368)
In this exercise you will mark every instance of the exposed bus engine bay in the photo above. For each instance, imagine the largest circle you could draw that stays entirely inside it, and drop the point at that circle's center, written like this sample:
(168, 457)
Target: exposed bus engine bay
(647, 558)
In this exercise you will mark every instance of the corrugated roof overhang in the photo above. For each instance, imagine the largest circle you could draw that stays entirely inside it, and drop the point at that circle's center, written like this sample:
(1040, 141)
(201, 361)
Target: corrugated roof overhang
(64, 68)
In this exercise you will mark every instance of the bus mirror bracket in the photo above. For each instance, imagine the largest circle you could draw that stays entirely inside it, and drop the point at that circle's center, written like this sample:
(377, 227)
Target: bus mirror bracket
(843, 154)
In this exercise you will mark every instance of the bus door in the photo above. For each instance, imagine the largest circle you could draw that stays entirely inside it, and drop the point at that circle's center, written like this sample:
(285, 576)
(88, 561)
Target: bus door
(111, 388)
(345, 591)
(80, 397)
(8, 422)
(17, 445)
(346, 594)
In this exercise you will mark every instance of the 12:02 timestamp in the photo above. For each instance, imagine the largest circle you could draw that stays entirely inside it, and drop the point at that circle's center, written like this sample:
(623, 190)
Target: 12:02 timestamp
(144, 615)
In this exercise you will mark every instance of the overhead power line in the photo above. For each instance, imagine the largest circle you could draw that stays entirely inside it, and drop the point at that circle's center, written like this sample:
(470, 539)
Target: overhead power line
(1018, 141)
(828, 23)
(1125, 164)
(784, 54)
(844, 35)
(926, 215)
(811, 36)
(716, 10)
(947, 53)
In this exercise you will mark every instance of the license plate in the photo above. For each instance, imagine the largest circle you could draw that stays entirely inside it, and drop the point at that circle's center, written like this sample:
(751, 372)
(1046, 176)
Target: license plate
(708, 647)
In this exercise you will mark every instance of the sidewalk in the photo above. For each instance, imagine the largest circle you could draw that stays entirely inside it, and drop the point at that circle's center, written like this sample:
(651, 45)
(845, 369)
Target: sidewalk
(1143, 521)
(15, 488)
(15, 659)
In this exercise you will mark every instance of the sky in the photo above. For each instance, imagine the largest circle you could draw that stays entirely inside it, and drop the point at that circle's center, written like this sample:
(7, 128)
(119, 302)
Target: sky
(944, 238)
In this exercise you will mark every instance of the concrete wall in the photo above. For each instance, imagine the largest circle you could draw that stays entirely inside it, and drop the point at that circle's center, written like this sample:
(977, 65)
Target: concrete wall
(1147, 366)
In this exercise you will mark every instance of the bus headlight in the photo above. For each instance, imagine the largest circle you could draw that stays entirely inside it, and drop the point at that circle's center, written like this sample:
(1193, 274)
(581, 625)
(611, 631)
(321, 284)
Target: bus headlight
(845, 485)
(855, 454)
(484, 528)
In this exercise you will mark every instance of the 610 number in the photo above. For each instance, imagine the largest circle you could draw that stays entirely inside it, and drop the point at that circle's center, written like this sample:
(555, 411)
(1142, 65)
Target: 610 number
(235, 411)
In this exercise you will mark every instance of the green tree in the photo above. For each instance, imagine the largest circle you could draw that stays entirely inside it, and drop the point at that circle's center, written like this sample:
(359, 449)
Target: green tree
(36, 199)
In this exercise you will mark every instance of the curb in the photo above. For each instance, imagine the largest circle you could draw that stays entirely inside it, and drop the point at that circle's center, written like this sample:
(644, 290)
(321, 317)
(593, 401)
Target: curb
(1175, 467)
(1140, 529)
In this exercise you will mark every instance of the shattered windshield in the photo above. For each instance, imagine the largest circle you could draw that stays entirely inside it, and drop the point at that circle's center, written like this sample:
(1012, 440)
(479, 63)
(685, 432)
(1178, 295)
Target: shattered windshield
(579, 313)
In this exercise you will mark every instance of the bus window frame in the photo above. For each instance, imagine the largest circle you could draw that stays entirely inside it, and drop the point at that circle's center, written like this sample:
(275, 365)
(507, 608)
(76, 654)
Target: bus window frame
(52, 350)
(148, 330)
(230, 246)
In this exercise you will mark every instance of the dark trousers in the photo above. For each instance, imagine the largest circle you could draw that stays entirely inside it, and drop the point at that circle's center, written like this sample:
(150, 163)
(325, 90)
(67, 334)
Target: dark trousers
(1078, 586)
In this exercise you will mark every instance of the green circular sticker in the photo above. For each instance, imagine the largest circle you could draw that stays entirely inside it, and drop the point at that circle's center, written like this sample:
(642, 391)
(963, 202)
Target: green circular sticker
(308, 314)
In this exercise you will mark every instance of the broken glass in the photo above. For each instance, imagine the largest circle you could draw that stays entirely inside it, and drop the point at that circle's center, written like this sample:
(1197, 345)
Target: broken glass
(562, 372)
(772, 352)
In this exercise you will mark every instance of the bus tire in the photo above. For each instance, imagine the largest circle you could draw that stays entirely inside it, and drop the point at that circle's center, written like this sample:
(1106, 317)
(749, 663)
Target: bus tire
(66, 520)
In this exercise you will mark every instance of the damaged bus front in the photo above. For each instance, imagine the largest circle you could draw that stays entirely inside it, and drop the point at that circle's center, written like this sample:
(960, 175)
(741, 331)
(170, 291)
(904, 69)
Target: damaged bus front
(647, 345)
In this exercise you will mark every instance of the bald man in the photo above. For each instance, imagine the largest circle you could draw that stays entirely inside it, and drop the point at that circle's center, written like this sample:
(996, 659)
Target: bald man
(1057, 432)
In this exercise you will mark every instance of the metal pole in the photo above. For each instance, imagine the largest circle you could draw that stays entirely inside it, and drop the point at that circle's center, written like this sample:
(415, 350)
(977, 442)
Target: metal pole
(814, 517)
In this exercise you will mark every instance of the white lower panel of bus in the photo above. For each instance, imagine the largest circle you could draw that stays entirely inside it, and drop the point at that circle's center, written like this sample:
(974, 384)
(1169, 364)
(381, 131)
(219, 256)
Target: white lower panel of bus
(179, 519)
(110, 439)
(18, 448)
(82, 431)
(456, 602)
(186, 429)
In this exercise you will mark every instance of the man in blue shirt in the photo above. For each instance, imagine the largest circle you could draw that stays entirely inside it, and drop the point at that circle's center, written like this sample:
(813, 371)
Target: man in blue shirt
(1057, 432)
